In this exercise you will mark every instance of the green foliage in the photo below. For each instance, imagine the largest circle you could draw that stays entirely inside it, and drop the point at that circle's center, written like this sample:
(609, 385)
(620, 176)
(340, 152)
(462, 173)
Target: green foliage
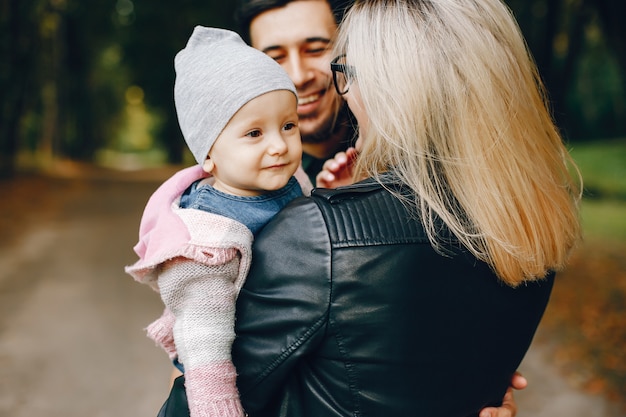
(581, 55)
(603, 167)
(596, 101)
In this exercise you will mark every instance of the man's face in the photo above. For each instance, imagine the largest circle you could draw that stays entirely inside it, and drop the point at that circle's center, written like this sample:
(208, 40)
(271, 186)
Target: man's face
(299, 37)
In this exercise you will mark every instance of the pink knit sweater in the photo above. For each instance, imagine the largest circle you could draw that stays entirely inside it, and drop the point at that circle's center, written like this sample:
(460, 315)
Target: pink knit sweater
(198, 262)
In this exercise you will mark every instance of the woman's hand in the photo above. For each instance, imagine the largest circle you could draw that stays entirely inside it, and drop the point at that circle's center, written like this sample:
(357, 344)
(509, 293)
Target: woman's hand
(508, 407)
(337, 171)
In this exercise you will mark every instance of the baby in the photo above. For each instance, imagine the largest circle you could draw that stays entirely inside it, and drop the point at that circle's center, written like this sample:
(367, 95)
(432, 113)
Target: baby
(237, 111)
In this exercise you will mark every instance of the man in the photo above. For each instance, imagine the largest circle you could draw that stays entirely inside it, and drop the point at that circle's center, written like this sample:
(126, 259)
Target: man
(299, 36)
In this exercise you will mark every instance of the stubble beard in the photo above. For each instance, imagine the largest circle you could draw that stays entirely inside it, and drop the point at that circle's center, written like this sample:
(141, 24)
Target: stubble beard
(322, 134)
(328, 128)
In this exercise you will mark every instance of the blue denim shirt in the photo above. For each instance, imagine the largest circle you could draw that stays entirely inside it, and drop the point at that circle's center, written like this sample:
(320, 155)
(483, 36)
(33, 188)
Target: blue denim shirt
(254, 212)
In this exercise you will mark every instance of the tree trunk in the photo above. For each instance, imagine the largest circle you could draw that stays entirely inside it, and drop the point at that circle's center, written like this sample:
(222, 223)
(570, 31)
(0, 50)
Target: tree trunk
(612, 13)
(14, 65)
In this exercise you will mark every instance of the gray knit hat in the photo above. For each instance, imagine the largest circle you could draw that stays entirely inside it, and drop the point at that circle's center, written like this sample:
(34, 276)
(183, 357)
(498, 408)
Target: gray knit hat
(216, 74)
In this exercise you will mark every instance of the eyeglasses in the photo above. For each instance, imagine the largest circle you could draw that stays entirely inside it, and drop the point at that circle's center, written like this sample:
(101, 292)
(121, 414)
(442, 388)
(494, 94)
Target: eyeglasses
(343, 74)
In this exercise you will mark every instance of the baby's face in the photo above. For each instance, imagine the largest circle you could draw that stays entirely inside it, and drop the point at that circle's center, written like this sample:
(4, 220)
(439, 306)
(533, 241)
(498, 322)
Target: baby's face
(260, 148)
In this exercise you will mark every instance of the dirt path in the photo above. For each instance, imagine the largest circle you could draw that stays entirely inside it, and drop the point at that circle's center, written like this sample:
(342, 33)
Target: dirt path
(550, 394)
(71, 340)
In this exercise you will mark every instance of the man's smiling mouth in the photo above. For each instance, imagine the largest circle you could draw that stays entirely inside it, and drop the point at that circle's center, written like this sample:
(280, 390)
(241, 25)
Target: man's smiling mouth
(308, 99)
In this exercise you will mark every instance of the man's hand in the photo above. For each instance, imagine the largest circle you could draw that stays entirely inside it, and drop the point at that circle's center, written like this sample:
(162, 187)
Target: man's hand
(508, 407)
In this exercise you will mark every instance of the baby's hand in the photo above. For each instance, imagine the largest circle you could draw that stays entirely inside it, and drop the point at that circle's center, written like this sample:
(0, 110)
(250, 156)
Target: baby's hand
(337, 171)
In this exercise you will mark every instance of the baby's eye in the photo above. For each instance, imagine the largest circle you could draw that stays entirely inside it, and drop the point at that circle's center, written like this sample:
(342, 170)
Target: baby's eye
(254, 133)
(290, 126)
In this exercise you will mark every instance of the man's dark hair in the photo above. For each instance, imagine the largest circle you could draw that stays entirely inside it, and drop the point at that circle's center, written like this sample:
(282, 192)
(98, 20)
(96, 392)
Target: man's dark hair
(247, 10)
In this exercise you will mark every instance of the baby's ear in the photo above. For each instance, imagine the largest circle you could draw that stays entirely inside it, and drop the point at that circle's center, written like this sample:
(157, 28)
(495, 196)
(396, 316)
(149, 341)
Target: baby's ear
(208, 165)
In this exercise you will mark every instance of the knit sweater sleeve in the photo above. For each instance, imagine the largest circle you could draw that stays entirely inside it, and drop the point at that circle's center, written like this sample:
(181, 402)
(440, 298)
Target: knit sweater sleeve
(202, 299)
(198, 262)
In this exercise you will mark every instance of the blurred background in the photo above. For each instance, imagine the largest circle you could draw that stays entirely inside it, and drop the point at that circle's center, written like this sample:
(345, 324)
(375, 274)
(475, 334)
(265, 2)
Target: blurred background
(93, 81)
(88, 130)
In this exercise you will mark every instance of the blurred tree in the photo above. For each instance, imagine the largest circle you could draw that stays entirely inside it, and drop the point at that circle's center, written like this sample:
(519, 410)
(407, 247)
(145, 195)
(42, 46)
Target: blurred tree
(612, 14)
(564, 35)
(67, 66)
(88, 102)
(18, 48)
(153, 34)
(53, 102)
(76, 94)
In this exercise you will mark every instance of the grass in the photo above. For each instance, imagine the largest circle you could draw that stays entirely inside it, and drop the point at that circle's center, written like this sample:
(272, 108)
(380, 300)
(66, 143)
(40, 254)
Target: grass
(604, 220)
(603, 166)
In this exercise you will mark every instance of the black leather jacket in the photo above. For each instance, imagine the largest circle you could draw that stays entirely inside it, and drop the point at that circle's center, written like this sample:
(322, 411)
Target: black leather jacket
(349, 311)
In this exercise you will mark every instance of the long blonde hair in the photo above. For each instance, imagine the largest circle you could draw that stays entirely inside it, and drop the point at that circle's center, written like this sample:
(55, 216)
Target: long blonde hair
(457, 109)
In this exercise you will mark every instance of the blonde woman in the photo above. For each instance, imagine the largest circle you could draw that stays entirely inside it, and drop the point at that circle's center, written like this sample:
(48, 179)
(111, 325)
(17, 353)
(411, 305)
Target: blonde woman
(455, 105)
(417, 290)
